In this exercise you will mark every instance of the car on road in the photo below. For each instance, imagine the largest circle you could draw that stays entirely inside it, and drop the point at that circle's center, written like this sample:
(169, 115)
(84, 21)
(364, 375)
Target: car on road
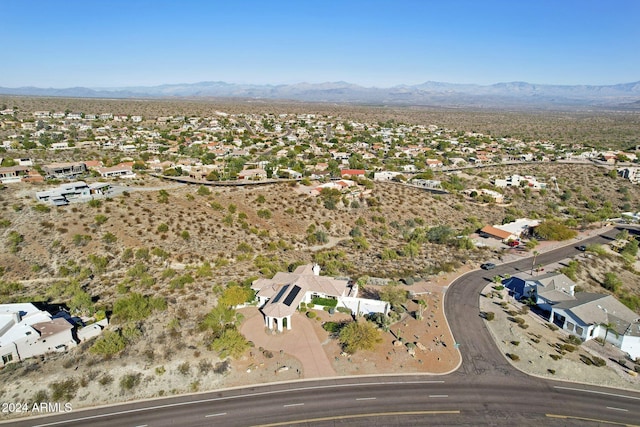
(488, 266)
(582, 248)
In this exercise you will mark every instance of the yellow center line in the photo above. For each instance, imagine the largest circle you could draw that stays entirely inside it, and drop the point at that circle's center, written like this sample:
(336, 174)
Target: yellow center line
(346, 417)
(590, 419)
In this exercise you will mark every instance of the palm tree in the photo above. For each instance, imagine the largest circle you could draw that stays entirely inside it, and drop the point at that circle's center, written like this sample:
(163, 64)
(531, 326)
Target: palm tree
(609, 326)
(533, 262)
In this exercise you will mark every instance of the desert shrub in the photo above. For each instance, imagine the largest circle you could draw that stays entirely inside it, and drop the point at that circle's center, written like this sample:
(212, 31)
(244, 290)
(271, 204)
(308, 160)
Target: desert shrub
(574, 339)
(567, 347)
(311, 314)
(489, 315)
(184, 368)
(551, 371)
(106, 379)
(41, 208)
(513, 356)
(64, 390)
(598, 361)
(130, 381)
(552, 327)
(555, 356)
(586, 360)
(516, 343)
(204, 367)
(136, 307)
(110, 343)
(224, 366)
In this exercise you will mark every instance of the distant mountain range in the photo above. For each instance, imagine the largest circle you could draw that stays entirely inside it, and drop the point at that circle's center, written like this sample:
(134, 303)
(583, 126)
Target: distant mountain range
(517, 95)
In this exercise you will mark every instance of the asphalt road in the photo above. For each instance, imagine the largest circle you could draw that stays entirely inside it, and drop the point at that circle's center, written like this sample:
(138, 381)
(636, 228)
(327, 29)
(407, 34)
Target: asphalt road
(485, 390)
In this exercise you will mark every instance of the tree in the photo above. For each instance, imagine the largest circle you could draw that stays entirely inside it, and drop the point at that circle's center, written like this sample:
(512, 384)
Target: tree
(393, 294)
(554, 230)
(220, 318)
(359, 336)
(235, 295)
(230, 343)
(609, 326)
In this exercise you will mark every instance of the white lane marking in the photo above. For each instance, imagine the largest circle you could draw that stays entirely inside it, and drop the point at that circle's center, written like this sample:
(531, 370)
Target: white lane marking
(438, 395)
(293, 404)
(215, 415)
(240, 396)
(597, 392)
(143, 425)
(366, 398)
(617, 409)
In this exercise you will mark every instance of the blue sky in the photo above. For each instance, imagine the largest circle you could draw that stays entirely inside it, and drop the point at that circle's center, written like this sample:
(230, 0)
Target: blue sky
(111, 43)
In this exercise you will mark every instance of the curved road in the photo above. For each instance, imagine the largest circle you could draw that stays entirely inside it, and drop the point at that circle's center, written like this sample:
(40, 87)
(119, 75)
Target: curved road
(485, 390)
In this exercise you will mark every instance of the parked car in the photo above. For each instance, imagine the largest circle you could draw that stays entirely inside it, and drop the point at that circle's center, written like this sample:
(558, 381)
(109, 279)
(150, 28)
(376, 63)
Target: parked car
(513, 243)
(488, 266)
(582, 248)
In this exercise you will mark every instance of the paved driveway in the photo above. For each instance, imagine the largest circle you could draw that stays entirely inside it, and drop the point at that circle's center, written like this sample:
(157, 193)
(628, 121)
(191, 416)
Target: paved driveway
(301, 342)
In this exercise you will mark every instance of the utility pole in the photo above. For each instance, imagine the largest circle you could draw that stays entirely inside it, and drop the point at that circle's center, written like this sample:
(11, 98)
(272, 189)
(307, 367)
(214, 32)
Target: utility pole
(533, 263)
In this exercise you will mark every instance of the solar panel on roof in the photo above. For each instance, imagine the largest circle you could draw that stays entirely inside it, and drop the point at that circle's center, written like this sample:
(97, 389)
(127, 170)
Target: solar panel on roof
(282, 291)
(292, 295)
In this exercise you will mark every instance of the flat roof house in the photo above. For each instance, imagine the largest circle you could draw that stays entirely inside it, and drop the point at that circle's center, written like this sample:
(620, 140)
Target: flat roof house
(65, 193)
(64, 170)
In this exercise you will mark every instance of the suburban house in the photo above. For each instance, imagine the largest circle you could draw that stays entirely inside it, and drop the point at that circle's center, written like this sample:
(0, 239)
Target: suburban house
(26, 331)
(351, 173)
(118, 171)
(510, 231)
(587, 315)
(632, 174)
(280, 296)
(519, 181)
(71, 191)
(494, 195)
(252, 174)
(12, 174)
(64, 170)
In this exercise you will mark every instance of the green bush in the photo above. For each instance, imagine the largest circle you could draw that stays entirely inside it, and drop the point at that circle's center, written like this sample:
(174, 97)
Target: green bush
(130, 381)
(513, 357)
(41, 208)
(136, 307)
(327, 302)
(64, 390)
(489, 315)
(110, 343)
(311, 314)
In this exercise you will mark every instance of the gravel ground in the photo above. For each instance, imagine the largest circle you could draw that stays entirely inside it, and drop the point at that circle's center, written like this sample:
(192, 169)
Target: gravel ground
(535, 357)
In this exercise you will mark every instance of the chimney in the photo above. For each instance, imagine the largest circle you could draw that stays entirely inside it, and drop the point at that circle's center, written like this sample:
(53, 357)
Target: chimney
(316, 269)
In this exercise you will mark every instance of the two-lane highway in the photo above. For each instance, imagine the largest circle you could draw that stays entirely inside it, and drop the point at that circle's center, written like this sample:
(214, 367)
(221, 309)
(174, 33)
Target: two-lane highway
(485, 390)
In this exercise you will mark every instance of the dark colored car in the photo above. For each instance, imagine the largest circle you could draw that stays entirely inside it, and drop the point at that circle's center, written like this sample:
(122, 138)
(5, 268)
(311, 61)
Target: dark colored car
(582, 248)
(488, 266)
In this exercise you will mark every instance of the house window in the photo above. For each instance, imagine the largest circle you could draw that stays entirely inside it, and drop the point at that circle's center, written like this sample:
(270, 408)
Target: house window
(7, 358)
(579, 330)
(570, 326)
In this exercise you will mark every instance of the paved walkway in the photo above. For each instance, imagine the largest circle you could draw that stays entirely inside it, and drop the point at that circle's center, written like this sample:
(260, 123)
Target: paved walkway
(301, 342)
